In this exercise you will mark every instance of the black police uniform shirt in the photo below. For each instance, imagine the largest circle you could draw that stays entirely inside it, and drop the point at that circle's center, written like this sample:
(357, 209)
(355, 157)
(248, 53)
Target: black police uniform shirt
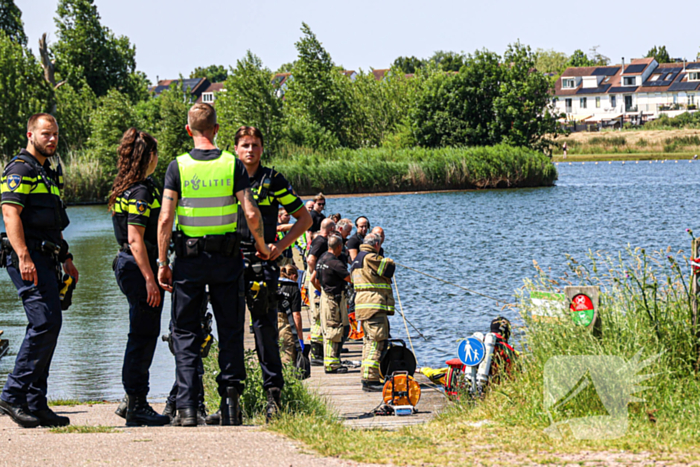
(319, 246)
(38, 219)
(279, 193)
(138, 205)
(317, 218)
(331, 273)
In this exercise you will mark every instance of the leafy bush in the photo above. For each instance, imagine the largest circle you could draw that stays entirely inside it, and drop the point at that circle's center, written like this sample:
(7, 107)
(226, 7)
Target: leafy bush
(296, 399)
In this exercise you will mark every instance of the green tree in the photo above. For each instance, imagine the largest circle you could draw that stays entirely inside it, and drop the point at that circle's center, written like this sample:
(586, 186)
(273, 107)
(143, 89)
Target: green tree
(315, 101)
(407, 64)
(458, 109)
(250, 99)
(659, 54)
(448, 61)
(113, 115)
(578, 59)
(74, 110)
(11, 22)
(286, 67)
(550, 61)
(523, 115)
(88, 50)
(378, 108)
(214, 73)
(24, 92)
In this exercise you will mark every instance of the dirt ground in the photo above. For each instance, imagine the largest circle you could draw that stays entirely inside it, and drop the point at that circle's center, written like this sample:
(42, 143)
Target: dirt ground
(235, 446)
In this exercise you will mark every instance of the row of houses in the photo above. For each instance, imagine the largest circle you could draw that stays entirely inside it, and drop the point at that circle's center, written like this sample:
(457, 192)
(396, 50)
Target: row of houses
(636, 92)
(202, 90)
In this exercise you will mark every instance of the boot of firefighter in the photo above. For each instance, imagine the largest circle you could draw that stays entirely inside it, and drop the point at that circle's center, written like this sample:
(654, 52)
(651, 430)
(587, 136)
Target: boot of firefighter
(316, 356)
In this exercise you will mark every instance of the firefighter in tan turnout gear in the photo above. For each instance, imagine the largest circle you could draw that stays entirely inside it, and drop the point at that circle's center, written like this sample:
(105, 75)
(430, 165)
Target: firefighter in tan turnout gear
(374, 302)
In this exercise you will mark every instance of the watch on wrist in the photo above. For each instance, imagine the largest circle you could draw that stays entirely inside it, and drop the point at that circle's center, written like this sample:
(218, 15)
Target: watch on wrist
(162, 264)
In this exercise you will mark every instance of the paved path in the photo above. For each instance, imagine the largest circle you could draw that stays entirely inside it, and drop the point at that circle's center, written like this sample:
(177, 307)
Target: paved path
(235, 446)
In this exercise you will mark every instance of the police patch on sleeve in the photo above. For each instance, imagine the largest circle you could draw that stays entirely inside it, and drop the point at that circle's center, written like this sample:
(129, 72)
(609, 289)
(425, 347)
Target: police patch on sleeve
(14, 181)
(141, 206)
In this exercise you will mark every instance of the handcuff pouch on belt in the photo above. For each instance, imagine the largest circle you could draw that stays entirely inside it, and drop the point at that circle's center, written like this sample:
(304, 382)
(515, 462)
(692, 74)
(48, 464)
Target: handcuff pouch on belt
(190, 247)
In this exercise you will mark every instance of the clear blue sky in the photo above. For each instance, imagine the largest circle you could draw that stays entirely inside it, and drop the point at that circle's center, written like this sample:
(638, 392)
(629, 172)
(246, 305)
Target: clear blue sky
(175, 36)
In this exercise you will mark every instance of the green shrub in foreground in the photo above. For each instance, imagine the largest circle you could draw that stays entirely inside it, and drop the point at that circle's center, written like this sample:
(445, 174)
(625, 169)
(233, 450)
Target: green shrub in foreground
(645, 308)
(296, 399)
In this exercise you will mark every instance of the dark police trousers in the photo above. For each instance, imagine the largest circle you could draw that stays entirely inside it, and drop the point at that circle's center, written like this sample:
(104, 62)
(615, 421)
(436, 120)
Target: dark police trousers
(224, 276)
(172, 397)
(144, 324)
(266, 333)
(27, 384)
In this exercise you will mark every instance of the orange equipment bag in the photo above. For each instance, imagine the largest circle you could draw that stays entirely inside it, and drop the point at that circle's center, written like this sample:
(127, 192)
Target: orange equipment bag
(401, 389)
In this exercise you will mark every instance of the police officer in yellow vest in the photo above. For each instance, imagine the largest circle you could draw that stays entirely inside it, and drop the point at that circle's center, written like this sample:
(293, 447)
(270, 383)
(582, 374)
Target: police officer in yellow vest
(34, 217)
(205, 186)
(374, 301)
(270, 189)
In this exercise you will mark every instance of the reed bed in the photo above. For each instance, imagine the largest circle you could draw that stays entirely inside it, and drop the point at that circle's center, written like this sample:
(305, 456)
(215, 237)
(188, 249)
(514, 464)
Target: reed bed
(385, 170)
(360, 171)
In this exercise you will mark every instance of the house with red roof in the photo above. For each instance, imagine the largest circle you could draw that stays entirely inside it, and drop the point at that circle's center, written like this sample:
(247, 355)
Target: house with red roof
(635, 92)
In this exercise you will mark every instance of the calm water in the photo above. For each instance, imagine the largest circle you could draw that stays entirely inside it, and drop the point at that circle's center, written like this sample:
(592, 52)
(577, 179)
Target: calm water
(484, 240)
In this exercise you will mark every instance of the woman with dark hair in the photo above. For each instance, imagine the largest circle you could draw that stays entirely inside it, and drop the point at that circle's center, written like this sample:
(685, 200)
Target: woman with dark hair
(135, 205)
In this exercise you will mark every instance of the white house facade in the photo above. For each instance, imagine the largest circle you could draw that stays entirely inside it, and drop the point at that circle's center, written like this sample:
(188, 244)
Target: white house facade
(639, 91)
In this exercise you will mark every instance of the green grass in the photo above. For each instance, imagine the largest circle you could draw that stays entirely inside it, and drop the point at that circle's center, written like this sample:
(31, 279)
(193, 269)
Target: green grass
(644, 307)
(72, 402)
(84, 429)
(638, 156)
(295, 397)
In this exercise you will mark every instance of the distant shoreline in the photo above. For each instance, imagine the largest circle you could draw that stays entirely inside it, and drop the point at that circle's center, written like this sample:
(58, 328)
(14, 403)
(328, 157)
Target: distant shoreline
(624, 157)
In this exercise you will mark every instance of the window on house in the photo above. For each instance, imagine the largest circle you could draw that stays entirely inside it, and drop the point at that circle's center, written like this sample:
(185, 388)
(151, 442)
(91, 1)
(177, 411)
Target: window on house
(569, 83)
(694, 76)
(568, 103)
(675, 98)
(630, 80)
(654, 77)
(613, 101)
(597, 102)
(691, 99)
(208, 97)
(582, 102)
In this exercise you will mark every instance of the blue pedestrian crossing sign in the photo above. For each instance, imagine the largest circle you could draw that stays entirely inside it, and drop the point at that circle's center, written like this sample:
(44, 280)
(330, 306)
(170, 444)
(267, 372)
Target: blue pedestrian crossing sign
(471, 351)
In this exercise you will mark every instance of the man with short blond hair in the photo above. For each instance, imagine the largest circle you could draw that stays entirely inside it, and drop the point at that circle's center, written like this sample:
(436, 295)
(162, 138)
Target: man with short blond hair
(204, 187)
